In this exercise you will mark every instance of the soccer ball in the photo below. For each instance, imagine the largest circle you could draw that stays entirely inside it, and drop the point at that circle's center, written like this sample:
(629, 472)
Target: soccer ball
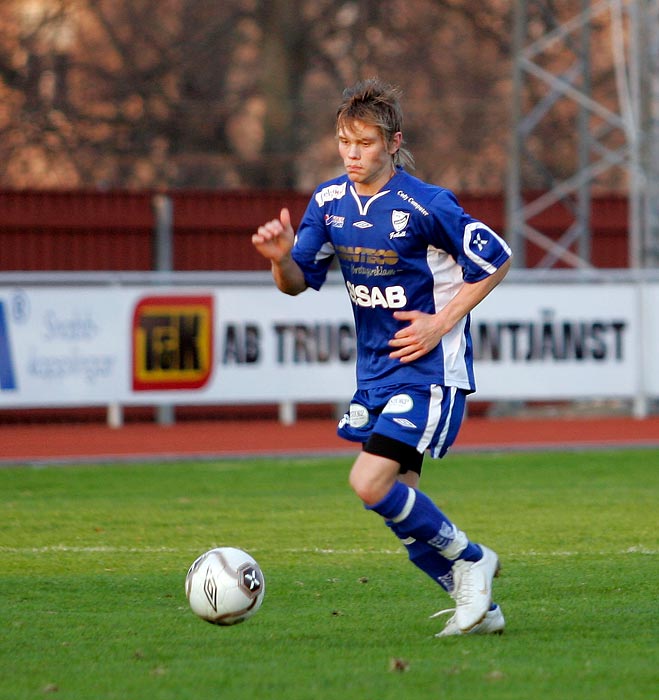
(225, 586)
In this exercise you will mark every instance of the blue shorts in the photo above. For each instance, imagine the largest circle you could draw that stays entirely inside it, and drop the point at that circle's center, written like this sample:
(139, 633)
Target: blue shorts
(426, 417)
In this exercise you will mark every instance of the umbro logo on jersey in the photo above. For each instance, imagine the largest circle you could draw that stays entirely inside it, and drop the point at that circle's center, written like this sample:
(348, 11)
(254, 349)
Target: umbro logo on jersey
(404, 422)
(363, 224)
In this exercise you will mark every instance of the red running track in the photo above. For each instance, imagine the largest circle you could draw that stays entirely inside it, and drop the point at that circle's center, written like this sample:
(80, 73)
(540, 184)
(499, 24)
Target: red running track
(225, 438)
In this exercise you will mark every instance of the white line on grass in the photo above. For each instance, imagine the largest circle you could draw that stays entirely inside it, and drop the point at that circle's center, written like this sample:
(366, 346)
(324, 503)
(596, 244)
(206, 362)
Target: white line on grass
(75, 549)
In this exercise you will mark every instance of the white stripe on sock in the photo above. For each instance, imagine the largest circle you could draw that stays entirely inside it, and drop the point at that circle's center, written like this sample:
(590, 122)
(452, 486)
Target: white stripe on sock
(455, 548)
(407, 508)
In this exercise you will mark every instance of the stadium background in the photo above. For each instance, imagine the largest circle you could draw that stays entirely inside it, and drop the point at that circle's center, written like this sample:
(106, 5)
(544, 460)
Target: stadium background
(54, 232)
(225, 113)
(115, 231)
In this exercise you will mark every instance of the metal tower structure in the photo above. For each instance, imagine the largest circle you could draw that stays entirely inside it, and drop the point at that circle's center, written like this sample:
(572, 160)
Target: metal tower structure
(585, 119)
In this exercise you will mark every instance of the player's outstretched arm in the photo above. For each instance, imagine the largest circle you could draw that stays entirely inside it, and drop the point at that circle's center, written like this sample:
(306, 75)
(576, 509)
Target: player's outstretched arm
(274, 240)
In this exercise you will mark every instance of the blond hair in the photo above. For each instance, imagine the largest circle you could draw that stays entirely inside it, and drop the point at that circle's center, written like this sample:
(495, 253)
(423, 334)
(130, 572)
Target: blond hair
(378, 104)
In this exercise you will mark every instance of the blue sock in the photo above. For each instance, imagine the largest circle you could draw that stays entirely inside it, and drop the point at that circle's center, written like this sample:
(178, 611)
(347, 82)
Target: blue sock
(427, 558)
(416, 516)
(472, 552)
(393, 503)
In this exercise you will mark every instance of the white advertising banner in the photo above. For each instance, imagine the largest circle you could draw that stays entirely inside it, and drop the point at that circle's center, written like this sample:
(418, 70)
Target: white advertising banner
(140, 346)
(101, 345)
(649, 344)
(557, 342)
(62, 347)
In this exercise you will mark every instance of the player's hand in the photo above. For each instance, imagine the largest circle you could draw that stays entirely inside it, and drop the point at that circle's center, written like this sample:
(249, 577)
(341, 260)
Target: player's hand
(416, 339)
(274, 240)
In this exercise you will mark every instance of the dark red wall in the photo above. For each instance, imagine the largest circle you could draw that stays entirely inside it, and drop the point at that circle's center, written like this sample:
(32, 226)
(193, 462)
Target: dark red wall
(76, 230)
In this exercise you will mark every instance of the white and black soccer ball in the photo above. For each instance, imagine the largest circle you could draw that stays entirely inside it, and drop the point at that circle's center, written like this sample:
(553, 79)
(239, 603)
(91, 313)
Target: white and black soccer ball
(225, 586)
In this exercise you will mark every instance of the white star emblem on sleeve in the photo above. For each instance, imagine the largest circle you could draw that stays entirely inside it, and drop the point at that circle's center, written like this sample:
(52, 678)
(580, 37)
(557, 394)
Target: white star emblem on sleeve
(479, 242)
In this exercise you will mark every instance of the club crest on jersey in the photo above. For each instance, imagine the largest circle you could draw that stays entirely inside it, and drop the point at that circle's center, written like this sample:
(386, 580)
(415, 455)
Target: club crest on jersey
(399, 220)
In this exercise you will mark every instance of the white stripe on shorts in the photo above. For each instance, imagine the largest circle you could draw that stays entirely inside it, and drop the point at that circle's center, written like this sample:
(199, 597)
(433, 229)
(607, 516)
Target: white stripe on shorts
(447, 424)
(434, 416)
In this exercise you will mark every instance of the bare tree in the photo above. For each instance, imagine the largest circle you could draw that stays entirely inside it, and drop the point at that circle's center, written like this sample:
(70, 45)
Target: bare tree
(198, 93)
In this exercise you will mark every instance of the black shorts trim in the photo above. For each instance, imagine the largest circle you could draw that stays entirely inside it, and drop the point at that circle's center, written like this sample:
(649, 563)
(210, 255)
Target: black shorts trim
(408, 457)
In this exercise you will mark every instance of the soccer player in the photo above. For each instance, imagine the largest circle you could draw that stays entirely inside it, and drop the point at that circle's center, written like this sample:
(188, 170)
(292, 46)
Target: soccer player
(415, 265)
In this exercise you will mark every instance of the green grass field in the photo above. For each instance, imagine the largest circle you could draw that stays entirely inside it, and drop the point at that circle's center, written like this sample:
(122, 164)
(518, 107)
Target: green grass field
(93, 561)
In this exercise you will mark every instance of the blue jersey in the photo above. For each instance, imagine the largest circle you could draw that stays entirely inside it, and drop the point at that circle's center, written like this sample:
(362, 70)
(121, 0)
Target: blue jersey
(409, 247)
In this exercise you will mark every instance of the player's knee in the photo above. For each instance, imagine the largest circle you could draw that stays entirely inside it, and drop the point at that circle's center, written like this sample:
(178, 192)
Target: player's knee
(368, 493)
(363, 488)
(370, 485)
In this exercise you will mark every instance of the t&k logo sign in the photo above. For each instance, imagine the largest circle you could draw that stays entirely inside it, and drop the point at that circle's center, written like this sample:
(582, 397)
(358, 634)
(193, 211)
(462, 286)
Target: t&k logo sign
(172, 342)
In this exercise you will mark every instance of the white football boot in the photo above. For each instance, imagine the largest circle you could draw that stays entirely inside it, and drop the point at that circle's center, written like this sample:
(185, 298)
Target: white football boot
(472, 590)
(493, 623)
